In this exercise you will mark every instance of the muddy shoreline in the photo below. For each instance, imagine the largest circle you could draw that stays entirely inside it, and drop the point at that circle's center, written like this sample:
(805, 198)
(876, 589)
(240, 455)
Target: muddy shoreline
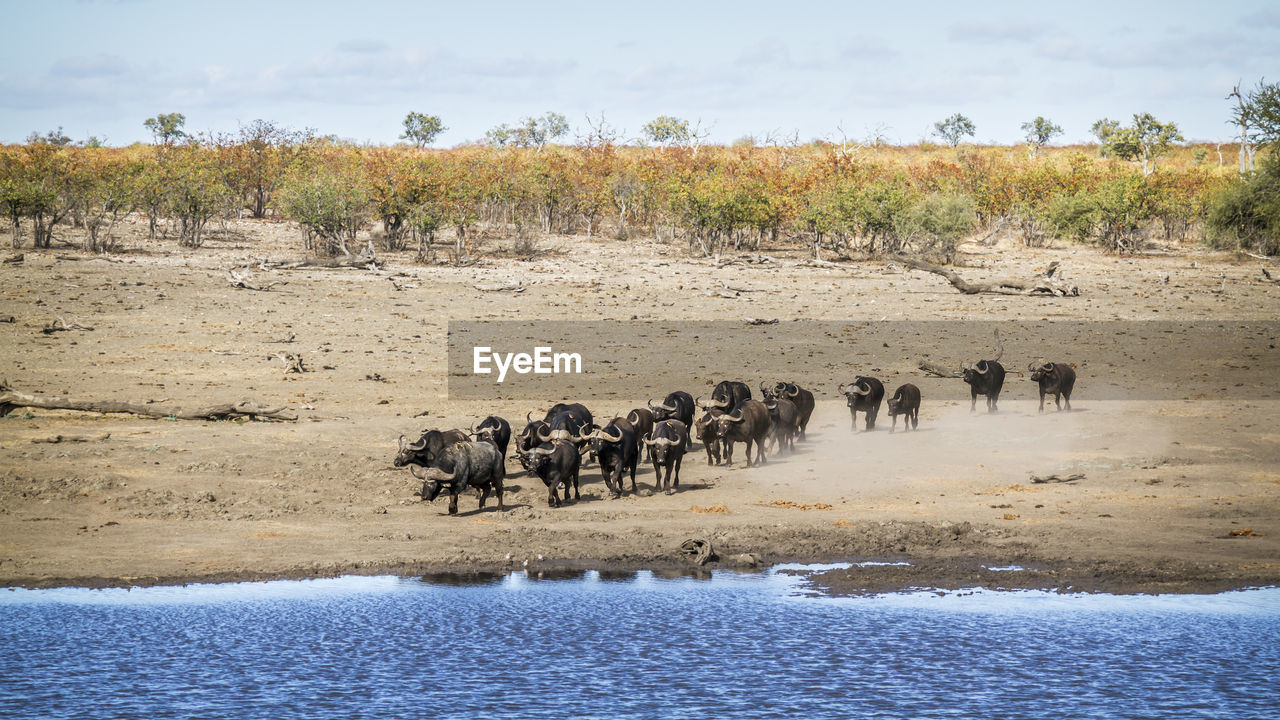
(1177, 455)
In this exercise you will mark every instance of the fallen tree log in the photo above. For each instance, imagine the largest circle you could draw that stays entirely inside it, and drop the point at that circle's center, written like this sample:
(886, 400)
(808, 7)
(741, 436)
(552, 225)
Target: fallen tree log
(365, 260)
(11, 399)
(938, 370)
(60, 325)
(1044, 285)
(242, 279)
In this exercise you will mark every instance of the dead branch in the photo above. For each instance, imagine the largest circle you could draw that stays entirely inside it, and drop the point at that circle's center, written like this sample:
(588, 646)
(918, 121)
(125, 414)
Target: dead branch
(284, 341)
(501, 287)
(292, 362)
(938, 370)
(761, 321)
(72, 439)
(15, 259)
(245, 281)
(60, 325)
(363, 261)
(1057, 478)
(11, 399)
(1043, 285)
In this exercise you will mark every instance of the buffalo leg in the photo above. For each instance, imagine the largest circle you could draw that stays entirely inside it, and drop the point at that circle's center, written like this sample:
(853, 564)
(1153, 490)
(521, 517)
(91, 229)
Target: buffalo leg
(894, 418)
(675, 483)
(871, 417)
(1042, 401)
(973, 399)
(915, 419)
(853, 420)
(1066, 397)
(633, 476)
(576, 496)
(453, 504)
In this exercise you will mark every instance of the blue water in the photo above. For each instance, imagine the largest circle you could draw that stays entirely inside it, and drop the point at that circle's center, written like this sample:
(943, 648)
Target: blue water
(639, 646)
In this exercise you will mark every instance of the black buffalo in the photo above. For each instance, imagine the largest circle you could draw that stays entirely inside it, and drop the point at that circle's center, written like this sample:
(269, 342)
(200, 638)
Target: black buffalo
(986, 378)
(864, 395)
(727, 394)
(785, 419)
(615, 448)
(641, 420)
(424, 451)
(462, 466)
(1056, 379)
(667, 446)
(581, 422)
(557, 463)
(802, 398)
(677, 406)
(530, 437)
(748, 423)
(704, 428)
(905, 401)
(495, 430)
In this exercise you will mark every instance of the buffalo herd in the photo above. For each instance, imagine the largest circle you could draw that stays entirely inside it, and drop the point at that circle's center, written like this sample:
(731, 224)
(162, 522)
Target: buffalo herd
(556, 447)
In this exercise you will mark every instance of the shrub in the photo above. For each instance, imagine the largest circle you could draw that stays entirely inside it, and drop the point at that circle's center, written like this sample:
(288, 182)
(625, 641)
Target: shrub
(1246, 214)
(937, 222)
(331, 204)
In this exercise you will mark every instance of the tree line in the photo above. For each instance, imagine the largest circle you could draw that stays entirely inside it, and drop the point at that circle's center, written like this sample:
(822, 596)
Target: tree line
(842, 197)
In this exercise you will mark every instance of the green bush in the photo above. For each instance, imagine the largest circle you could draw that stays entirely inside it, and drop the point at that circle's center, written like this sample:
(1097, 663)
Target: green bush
(937, 223)
(331, 204)
(1246, 215)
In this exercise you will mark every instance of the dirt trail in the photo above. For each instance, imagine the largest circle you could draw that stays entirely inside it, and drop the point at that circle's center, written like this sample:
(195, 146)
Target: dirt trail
(1171, 470)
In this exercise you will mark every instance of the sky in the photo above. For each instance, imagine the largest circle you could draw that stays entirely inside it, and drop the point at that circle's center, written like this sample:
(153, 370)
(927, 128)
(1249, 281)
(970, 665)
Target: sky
(780, 69)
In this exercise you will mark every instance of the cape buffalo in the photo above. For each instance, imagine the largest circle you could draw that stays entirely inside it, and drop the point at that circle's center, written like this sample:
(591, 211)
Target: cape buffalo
(704, 428)
(677, 406)
(667, 446)
(785, 418)
(727, 395)
(460, 466)
(424, 451)
(905, 401)
(748, 423)
(615, 448)
(802, 398)
(495, 430)
(557, 463)
(986, 378)
(1056, 379)
(863, 394)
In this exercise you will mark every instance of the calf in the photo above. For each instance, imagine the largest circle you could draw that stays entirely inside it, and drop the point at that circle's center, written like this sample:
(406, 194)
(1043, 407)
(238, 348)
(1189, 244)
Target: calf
(667, 446)
(864, 395)
(462, 466)
(557, 463)
(905, 401)
(1056, 379)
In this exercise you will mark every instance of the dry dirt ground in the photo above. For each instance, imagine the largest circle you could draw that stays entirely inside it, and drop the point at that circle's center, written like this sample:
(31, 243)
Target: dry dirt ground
(1175, 431)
